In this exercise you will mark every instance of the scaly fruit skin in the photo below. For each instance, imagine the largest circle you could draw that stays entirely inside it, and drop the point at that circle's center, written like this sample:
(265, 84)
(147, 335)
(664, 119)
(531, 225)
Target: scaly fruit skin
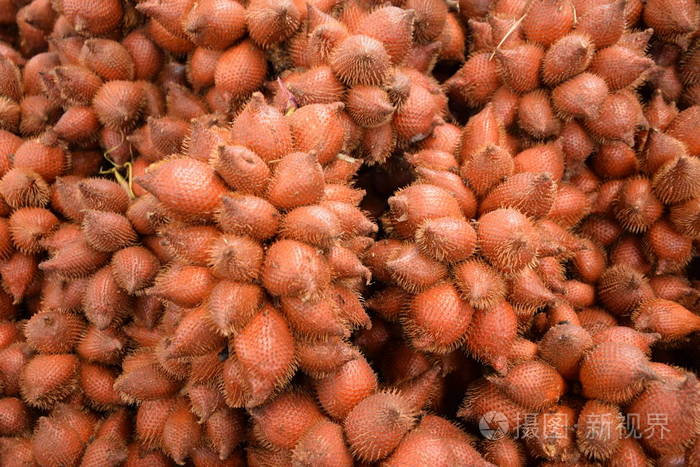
(173, 239)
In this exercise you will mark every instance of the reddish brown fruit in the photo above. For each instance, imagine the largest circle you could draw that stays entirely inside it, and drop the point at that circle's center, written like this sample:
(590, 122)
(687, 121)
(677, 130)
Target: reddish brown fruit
(29, 226)
(520, 66)
(97, 382)
(185, 286)
(437, 332)
(92, 18)
(566, 58)
(397, 37)
(361, 59)
(284, 420)
(536, 115)
(240, 70)
(375, 427)
(603, 23)
(339, 392)
(15, 417)
(292, 268)
(636, 206)
(265, 364)
(548, 20)
(580, 97)
(53, 331)
(677, 181)
(476, 81)
(413, 205)
(563, 346)
(491, 333)
(318, 129)
(668, 318)
(247, 215)
(270, 22)
(676, 17)
(483, 397)
(507, 239)
(480, 284)
(413, 271)
(17, 273)
(48, 379)
(323, 445)
(215, 24)
(619, 116)
(185, 185)
(553, 433)
(55, 443)
(262, 129)
(533, 194)
(532, 384)
(600, 428)
(181, 433)
(134, 268)
(621, 289)
(506, 452)
(232, 304)
(614, 372)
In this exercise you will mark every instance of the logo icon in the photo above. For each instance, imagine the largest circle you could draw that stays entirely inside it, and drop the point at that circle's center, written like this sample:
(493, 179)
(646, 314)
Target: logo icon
(493, 425)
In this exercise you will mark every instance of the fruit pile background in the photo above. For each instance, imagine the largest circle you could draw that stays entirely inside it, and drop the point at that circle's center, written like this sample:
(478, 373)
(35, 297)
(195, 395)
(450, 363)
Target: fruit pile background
(326, 233)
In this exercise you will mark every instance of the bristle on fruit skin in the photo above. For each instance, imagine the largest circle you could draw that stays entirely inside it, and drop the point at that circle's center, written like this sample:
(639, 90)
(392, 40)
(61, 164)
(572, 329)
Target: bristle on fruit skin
(282, 232)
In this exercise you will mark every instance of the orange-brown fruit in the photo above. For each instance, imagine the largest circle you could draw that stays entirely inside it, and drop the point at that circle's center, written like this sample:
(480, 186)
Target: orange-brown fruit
(184, 285)
(241, 169)
(134, 268)
(393, 27)
(104, 302)
(107, 231)
(671, 18)
(552, 433)
(677, 180)
(536, 115)
(322, 445)
(532, 384)
(520, 66)
(41, 155)
(429, 20)
(270, 22)
(232, 304)
(146, 56)
(361, 59)
(375, 427)
(483, 397)
(18, 273)
(600, 427)
(77, 124)
(685, 217)
(15, 418)
(318, 129)
(292, 268)
(235, 258)
(563, 346)
(48, 379)
(413, 205)
(283, 421)
(118, 104)
(215, 24)
(604, 23)
(29, 226)
(414, 271)
(56, 443)
(108, 59)
(531, 193)
(192, 336)
(636, 207)
(505, 452)
(580, 97)
(108, 450)
(507, 239)
(619, 66)
(622, 289)
(446, 239)
(263, 129)
(567, 57)
(614, 372)
(491, 334)
(369, 106)
(339, 391)
(89, 18)
(437, 319)
(247, 215)
(181, 433)
(264, 363)
(673, 250)
(627, 335)
(476, 81)
(486, 168)
(185, 185)
(548, 20)
(661, 149)
(97, 382)
(102, 194)
(668, 318)
(615, 159)
(101, 345)
(53, 331)
(481, 285)
(676, 404)
(317, 85)
(481, 130)
(24, 188)
(240, 70)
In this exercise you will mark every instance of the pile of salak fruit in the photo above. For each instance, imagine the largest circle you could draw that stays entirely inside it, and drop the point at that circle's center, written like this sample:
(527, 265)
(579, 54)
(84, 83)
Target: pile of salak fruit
(326, 233)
